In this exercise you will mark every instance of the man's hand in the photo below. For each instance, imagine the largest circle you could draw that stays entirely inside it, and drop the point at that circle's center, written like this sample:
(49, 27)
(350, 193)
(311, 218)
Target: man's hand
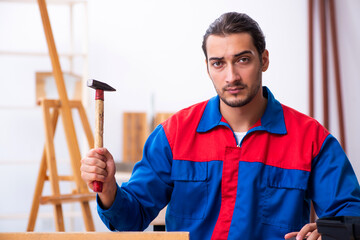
(309, 232)
(99, 165)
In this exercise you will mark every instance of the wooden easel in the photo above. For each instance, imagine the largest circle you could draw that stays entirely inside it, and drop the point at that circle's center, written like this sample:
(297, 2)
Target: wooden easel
(62, 106)
(50, 110)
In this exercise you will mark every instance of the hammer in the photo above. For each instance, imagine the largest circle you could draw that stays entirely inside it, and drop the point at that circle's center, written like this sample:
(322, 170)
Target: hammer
(100, 87)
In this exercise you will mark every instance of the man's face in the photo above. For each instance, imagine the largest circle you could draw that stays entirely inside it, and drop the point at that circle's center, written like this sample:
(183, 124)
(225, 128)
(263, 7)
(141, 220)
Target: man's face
(235, 68)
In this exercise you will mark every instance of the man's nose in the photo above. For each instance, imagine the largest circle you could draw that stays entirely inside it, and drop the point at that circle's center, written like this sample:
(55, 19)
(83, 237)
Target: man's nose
(232, 74)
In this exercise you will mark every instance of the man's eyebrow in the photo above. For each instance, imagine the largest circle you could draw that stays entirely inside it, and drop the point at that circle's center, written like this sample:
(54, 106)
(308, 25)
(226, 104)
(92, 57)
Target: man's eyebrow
(236, 55)
(244, 52)
(216, 58)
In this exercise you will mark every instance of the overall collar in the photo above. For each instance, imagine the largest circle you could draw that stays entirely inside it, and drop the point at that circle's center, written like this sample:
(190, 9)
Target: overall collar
(272, 121)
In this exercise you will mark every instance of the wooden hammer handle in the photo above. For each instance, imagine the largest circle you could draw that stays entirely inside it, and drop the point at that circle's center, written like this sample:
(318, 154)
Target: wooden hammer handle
(99, 123)
(99, 130)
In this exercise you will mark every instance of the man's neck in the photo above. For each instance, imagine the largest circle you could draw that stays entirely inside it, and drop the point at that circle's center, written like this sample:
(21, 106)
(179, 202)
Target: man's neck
(241, 119)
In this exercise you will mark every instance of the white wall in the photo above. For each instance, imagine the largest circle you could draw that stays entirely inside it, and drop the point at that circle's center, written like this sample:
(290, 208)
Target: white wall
(154, 47)
(150, 49)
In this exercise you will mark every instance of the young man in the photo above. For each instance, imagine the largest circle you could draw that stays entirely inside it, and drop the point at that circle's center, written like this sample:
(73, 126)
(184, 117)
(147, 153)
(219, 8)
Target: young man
(238, 166)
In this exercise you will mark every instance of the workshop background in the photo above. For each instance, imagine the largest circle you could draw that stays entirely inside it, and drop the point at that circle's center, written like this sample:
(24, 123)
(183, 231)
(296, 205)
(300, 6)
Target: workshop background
(150, 51)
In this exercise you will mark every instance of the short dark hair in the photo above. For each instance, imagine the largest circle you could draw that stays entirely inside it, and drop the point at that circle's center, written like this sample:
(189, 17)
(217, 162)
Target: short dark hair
(233, 22)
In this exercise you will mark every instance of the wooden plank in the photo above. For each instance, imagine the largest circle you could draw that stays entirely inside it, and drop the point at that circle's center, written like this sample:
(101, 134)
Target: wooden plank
(54, 103)
(85, 123)
(62, 178)
(135, 133)
(58, 199)
(37, 194)
(96, 236)
(41, 179)
(51, 164)
(161, 117)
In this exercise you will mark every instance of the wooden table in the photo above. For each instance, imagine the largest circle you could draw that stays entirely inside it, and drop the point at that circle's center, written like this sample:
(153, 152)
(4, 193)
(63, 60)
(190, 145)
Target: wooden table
(96, 236)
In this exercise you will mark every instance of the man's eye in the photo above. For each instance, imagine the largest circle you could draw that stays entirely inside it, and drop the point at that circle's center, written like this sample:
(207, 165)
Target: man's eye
(243, 60)
(217, 64)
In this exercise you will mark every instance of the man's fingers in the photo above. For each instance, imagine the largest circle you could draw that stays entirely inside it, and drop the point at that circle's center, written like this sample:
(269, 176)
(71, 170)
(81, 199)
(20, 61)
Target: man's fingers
(90, 177)
(97, 165)
(93, 169)
(104, 152)
(308, 228)
(290, 235)
(96, 153)
(309, 232)
(90, 161)
(110, 164)
(314, 236)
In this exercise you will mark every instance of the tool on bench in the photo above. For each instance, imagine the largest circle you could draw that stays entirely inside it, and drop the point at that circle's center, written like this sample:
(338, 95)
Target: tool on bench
(100, 87)
(339, 228)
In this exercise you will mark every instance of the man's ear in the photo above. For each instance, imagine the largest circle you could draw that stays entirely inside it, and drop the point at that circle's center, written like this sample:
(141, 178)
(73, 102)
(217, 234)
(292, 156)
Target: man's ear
(265, 60)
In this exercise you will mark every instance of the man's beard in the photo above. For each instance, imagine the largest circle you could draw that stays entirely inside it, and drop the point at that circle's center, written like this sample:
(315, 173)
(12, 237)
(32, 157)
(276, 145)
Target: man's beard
(239, 102)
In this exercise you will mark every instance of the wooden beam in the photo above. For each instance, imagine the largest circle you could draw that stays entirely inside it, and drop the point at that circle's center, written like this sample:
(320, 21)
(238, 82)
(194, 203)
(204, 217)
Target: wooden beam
(311, 56)
(85, 123)
(324, 64)
(62, 178)
(41, 179)
(65, 109)
(337, 73)
(58, 199)
(51, 165)
(96, 236)
(311, 78)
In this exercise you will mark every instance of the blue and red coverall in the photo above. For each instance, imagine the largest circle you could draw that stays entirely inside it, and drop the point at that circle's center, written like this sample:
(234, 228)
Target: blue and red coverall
(217, 189)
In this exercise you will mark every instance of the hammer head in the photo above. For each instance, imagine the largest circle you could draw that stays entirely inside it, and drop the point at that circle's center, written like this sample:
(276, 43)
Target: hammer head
(99, 85)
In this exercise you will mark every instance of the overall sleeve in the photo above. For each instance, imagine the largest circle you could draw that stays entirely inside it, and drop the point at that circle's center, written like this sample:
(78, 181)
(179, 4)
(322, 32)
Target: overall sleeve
(139, 201)
(334, 187)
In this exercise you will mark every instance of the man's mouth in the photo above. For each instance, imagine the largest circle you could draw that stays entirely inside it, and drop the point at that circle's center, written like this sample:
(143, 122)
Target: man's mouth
(234, 90)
